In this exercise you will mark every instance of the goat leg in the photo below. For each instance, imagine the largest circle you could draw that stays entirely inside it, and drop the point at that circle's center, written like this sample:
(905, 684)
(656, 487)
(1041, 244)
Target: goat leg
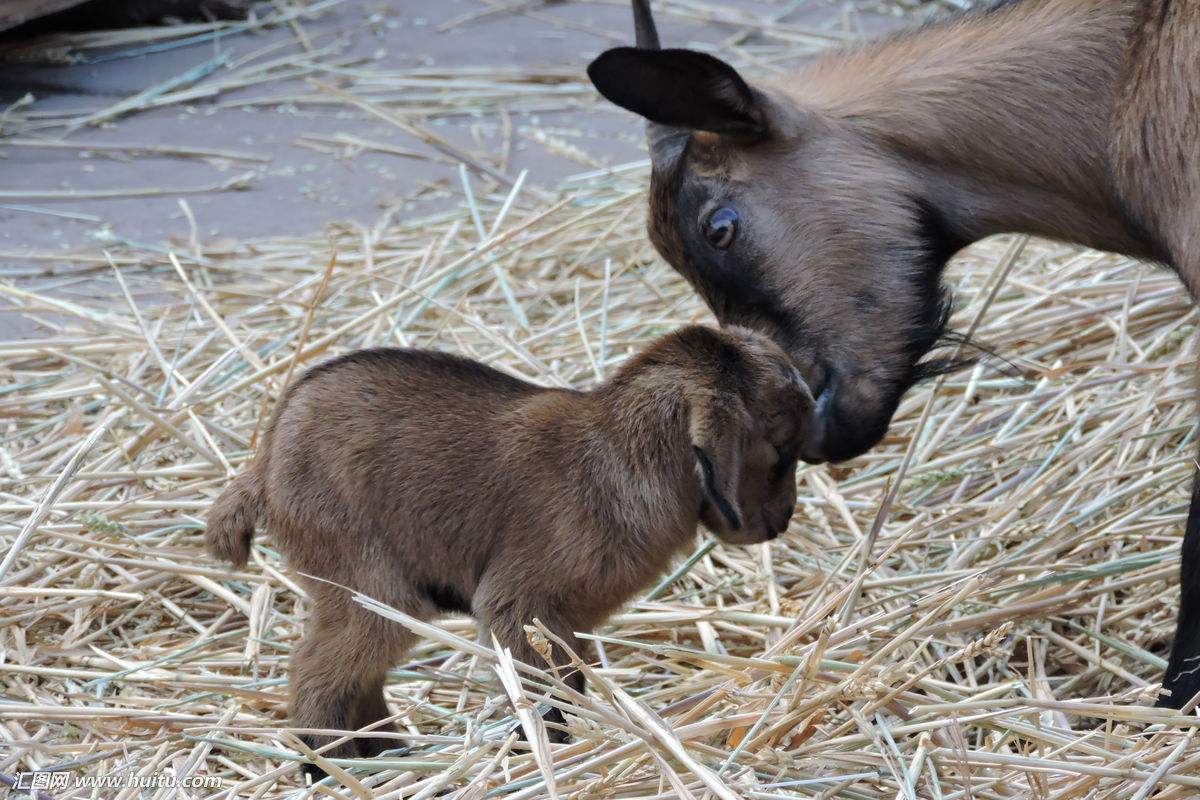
(337, 674)
(1182, 677)
(509, 628)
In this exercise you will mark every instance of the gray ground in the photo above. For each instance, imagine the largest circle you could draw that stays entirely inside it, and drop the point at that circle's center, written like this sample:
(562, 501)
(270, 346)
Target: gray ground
(297, 189)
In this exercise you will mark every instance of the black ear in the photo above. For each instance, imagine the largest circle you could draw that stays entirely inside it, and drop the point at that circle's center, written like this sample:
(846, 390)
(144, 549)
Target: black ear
(683, 88)
(717, 428)
(721, 493)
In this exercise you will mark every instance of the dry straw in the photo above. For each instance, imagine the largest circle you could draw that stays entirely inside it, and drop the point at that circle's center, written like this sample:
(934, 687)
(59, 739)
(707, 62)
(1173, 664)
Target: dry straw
(988, 621)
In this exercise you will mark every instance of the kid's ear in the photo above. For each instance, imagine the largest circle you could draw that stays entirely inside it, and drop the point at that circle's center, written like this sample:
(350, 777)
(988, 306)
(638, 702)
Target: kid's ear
(681, 88)
(789, 411)
(718, 429)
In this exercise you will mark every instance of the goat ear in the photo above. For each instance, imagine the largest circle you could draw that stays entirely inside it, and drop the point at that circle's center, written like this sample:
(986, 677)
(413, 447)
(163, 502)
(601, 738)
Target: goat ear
(681, 88)
(717, 429)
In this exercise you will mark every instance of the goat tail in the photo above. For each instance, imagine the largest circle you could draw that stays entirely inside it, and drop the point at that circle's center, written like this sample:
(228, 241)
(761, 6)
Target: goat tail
(230, 524)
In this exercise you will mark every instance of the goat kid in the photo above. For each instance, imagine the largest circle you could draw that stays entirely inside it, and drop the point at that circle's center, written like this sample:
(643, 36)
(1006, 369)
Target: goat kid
(436, 484)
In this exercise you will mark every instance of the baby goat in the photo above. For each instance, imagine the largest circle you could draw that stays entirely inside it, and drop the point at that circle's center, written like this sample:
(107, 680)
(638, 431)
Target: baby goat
(436, 484)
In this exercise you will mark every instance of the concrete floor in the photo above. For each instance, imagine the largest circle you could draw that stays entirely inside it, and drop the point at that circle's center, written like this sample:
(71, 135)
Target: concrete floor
(296, 189)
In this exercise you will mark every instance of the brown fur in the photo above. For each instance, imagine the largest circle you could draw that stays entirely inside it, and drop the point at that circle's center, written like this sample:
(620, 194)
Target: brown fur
(1073, 119)
(434, 484)
(858, 176)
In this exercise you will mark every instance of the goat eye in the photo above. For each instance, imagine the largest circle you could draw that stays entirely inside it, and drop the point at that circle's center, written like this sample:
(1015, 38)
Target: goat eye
(721, 227)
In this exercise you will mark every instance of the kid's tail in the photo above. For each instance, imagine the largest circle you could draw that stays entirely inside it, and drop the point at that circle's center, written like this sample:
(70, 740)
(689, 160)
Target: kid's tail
(231, 519)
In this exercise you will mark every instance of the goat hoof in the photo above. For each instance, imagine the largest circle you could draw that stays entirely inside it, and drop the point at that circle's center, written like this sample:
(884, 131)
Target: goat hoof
(373, 748)
(555, 735)
(312, 773)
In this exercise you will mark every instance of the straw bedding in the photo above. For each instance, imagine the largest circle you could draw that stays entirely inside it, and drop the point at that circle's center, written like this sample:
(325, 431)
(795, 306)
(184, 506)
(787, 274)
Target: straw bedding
(977, 609)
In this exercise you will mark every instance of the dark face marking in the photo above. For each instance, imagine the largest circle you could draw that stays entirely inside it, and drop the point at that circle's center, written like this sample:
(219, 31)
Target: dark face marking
(731, 279)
